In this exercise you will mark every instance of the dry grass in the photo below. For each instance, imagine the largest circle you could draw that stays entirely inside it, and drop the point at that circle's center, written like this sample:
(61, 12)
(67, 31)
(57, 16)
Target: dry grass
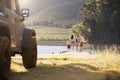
(51, 33)
(102, 67)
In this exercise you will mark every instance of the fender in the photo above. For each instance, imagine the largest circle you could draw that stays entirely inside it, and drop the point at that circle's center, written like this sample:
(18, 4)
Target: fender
(26, 38)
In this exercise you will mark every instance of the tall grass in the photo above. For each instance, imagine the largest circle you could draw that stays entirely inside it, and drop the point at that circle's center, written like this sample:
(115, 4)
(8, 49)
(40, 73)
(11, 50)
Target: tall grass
(108, 60)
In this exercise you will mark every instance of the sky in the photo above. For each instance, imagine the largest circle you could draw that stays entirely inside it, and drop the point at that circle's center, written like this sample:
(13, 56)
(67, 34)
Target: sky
(37, 5)
(30, 4)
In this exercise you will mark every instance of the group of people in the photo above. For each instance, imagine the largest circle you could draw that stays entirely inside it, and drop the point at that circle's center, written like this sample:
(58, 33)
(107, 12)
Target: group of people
(75, 43)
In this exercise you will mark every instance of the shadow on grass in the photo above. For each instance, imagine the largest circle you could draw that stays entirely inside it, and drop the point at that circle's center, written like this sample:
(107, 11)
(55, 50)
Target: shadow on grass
(73, 71)
(112, 75)
(14, 62)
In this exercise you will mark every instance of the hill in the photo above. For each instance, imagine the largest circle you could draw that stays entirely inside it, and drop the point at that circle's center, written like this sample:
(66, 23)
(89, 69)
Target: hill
(57, 13)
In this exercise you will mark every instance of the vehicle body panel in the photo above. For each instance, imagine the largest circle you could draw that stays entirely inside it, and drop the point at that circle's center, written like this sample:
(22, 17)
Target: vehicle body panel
(10, 14)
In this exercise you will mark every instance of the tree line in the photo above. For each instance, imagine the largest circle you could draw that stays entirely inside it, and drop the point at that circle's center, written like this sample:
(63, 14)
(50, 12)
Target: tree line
(101, 22)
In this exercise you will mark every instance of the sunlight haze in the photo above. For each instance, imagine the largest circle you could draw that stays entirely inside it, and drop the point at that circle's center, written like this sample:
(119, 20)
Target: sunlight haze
(23, 2)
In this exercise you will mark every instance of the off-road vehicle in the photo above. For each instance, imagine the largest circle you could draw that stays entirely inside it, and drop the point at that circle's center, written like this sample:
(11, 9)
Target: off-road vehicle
(15, 38)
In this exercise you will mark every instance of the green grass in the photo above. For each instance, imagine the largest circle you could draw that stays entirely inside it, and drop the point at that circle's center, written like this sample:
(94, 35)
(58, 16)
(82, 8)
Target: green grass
(51, 33)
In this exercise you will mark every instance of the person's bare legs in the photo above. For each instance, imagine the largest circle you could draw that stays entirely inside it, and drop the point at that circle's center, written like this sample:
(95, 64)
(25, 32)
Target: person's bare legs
(72, 48)
(81, 48)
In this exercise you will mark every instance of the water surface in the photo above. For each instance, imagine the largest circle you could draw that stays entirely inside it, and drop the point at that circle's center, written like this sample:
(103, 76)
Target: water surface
(50, 49)
(58, 49)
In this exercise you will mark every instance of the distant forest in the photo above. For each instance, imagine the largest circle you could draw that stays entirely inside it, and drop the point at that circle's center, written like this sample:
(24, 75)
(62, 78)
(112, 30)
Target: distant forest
(101, 21)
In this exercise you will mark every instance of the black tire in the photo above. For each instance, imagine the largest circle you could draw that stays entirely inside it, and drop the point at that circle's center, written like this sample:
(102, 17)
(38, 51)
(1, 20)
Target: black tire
(29, 55)
(5, 58)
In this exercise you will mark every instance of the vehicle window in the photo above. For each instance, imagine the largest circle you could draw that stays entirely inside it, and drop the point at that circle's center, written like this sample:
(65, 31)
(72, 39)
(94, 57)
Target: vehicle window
(0, 3)
(16, 6)
(8, 3)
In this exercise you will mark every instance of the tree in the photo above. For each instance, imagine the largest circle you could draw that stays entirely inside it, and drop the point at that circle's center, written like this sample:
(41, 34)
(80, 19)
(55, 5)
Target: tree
(102, 17)
(79, 29)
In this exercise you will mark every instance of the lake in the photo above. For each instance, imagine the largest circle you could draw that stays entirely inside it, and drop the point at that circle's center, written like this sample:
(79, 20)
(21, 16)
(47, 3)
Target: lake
(58, 49)
(50, 49)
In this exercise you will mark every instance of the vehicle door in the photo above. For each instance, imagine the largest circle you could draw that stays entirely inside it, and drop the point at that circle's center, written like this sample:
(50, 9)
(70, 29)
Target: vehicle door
(18, 24)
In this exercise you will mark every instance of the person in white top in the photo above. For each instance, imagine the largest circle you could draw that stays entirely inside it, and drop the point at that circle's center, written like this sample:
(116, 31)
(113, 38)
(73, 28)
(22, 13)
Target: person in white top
(72, 42)
(81, 42)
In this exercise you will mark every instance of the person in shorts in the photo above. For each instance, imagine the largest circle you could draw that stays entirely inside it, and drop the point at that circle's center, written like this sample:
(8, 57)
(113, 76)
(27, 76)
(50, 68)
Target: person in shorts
(68, 45)
(81, 42)
(76, 44)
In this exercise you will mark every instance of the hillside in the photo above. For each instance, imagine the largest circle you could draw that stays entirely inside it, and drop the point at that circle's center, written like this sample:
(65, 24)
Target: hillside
(57, 13)
(51, 33)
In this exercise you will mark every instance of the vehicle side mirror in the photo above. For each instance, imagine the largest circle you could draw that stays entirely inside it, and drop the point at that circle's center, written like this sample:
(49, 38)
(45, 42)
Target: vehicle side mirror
(25, 12)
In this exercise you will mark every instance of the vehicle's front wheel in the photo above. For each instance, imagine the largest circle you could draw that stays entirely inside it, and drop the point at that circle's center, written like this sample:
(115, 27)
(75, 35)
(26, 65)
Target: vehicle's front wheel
(29, 55)
(5, 58)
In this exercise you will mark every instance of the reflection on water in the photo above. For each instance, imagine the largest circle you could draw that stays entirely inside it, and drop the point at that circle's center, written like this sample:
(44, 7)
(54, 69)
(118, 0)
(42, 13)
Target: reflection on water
(58, 49)
(50, 49)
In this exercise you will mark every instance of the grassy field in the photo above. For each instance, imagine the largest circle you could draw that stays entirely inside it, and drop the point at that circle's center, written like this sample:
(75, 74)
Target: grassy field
(51, 43)
(51, 33)
(101, 67)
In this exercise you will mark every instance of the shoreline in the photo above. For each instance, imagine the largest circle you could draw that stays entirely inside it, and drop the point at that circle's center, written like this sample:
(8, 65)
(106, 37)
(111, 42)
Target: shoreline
(76, 55)
(73, 55)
